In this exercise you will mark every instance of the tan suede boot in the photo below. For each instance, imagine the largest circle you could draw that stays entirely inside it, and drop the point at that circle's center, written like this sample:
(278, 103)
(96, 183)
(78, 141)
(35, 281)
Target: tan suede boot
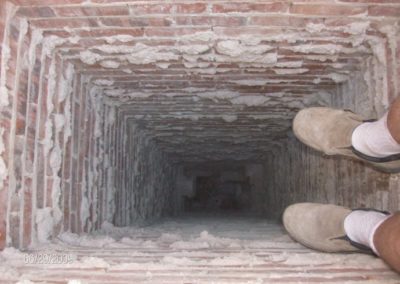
(330, 130)
(318, 226)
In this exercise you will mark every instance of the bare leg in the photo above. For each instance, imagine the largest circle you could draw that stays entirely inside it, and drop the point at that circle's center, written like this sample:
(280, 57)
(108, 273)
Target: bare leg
(393, 120)
(387, 241)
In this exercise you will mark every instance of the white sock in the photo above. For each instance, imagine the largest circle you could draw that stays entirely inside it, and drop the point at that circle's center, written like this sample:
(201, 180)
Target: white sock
(360, 226)
(374, 139)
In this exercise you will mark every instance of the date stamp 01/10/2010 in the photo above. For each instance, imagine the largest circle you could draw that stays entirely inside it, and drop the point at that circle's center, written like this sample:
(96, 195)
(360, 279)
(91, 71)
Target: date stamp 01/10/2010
(48, 258)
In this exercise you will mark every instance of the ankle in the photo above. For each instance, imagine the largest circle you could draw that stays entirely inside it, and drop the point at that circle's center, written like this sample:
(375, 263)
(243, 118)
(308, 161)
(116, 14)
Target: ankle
(360, 226)
(393, 120)
(387, 241)
(374, 139)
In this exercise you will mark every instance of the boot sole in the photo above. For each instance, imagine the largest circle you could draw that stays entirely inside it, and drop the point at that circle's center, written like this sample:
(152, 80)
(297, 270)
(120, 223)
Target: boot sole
(391, 158)
(389, 164)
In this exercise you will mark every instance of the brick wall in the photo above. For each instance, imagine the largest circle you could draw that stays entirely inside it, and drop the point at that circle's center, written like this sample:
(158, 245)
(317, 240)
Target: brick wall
(99, 101)
(146, 188)
(318, 178)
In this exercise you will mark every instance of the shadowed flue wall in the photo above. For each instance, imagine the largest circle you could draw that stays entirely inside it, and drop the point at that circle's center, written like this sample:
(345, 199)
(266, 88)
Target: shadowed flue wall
(110, 110)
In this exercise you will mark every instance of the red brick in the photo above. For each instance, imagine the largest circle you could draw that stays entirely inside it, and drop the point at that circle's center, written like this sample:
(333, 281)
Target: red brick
(29, 155)
(157, 22)
(73, 182)
(190, 8)
(36, 12)
(73, 11)
(398, 51)
(269, 21)
(150, 9)
(384, 11)
(66, 189)
(45, 2)
(85, 144)
(391, 80)
(49, 190)
(135, 22)
(99, 11)
(211, 21)
(21, 102)
(33, 96)
(27, 212)
(76, 120)
(270, 7)
(58, 23)
(115, 22)
(172, 32)
(135, 32)
(327, 10)
(20, 125)
(59, 33)
(111, 1)
(100, 197)
(337, 22)
(3, 216)
(78, 196)
(2, 22)
(81, 159)
(283, 21)
(32, 115)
